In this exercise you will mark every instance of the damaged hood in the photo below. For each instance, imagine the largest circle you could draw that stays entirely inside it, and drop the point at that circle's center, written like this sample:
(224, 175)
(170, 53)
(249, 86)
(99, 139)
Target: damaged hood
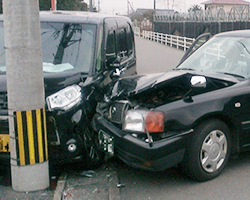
(175, 81)
(53, 82)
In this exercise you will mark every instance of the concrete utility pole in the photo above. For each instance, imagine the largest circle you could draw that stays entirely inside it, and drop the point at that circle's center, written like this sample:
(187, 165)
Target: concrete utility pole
(25, 87)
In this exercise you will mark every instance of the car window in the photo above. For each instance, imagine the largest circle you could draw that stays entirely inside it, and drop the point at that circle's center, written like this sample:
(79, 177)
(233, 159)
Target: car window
(111, 43)
(122, 43)
(65, 46)
(68, 46)
(196, 44)
(130, 40)
(229, 55)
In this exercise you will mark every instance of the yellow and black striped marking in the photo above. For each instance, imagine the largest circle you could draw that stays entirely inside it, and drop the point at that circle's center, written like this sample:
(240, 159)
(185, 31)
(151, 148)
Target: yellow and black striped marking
(31, 134)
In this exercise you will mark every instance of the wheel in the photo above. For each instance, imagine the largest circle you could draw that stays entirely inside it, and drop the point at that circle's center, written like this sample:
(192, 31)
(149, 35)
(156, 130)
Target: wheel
(92, 152)
(208, 151)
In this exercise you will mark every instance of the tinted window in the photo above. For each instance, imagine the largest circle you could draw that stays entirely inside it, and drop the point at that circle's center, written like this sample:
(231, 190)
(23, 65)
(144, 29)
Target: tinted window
(111, 44)
(122, 41)
(130, 40)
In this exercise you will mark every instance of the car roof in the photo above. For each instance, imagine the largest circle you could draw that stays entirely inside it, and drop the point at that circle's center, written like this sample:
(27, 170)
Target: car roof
(75, 16)
(237, 33)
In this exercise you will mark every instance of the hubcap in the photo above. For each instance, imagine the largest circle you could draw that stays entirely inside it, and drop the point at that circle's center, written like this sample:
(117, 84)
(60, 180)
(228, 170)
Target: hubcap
(213, 151)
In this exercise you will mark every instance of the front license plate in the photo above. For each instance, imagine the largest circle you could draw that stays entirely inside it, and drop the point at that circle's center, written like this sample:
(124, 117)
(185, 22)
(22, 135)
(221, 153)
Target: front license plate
(106, 142)
(4, 143)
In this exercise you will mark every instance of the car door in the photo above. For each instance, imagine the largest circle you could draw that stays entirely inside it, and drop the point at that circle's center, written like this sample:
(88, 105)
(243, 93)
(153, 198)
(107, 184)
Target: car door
(126, 50)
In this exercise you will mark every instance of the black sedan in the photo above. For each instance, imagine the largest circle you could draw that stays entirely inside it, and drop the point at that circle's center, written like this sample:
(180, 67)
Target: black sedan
(196, 115)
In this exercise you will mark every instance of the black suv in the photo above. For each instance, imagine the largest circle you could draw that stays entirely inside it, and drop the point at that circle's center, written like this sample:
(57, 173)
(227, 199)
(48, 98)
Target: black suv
(82, 52)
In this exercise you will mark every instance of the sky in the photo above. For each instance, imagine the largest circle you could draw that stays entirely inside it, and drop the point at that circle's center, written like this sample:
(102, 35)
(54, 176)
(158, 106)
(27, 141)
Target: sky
(120, 6)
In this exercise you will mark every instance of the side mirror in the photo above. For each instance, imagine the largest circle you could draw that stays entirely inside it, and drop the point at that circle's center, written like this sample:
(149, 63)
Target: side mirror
(198, 81)
(116, 73)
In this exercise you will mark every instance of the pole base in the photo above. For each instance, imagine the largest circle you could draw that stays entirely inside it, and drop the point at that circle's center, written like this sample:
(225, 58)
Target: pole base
(30, 178)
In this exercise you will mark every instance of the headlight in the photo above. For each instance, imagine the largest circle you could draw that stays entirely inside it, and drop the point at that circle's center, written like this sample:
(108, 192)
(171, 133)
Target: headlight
(144, 121)
(65, 98)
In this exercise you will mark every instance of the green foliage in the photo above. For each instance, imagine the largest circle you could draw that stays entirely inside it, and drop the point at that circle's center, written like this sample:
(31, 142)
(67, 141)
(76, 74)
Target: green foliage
(71, 5)
(194, 8)
(44, 4)
(61, 5)
(145, 15)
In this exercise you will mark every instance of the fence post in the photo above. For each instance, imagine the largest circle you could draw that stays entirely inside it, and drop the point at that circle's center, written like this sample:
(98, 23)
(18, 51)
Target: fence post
(168, 39)
(171, 41)
(177, 41)
(185, 43)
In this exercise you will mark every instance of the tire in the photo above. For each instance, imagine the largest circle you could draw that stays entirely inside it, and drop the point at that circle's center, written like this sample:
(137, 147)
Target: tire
(208, 151)
(94, 156)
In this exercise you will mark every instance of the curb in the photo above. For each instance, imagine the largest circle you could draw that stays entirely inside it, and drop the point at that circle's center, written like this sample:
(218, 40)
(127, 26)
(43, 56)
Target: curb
(60, 187)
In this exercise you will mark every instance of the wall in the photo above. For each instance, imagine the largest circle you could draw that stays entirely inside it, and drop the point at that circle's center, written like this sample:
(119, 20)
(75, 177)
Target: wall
(194, 29)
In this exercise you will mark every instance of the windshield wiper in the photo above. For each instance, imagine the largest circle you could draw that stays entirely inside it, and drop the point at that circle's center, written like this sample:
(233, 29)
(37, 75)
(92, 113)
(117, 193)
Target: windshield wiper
(184, 69)
(235, 75)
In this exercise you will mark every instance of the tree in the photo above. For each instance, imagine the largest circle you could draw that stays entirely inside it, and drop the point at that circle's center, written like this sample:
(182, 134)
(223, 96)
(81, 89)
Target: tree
(61, 5)
(194, 8)
(71, 5)
(64, 5)
(141, 16)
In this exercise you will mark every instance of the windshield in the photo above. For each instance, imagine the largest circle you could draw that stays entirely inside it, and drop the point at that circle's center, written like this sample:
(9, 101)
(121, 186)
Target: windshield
(65, 46)
(227, 55)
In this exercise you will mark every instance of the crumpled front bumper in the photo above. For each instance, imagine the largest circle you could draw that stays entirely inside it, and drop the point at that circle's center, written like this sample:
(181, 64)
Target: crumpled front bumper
(137, 153)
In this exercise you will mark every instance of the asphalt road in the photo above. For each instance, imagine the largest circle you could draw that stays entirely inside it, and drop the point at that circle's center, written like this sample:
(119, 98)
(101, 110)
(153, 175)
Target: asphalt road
(232, 184)
(154, 57)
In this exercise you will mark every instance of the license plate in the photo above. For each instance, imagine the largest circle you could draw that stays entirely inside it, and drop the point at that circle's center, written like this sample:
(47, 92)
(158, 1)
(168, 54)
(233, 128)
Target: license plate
(106, 142)
(4, 143)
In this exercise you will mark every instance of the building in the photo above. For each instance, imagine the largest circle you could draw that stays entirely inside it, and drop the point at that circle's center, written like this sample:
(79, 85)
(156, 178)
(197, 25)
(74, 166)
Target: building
(145, 17)
(226, 5)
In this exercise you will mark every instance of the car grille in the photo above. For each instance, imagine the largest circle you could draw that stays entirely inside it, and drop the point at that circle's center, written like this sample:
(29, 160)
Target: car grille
(3, 101)
(117, 111)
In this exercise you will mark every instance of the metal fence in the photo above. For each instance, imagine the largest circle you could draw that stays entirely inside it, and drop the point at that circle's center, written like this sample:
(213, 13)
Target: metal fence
(235, 14)
(166, 39)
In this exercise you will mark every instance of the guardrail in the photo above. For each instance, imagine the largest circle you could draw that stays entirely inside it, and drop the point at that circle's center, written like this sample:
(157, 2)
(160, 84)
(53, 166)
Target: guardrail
(176, 41)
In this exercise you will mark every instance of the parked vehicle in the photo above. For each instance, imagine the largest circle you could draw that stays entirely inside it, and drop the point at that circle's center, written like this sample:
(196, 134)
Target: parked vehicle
(194, 116)
(82, 52)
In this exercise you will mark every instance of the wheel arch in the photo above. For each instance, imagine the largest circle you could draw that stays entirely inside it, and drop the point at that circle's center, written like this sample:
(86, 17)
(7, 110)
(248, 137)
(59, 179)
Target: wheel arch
(234, 133)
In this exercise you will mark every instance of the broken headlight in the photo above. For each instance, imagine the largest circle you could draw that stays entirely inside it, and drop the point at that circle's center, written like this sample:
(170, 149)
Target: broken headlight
(144, 121)
(65, 98)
